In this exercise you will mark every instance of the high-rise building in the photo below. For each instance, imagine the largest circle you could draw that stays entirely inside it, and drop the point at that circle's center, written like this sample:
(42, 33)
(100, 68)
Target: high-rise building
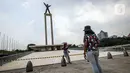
(102, 35)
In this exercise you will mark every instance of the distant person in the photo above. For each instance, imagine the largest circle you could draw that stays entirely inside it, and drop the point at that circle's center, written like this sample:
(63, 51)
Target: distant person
(66, 52)
(91, 51)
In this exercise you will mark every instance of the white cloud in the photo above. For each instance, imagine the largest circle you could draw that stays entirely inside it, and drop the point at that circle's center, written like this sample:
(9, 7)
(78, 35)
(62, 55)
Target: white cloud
(89, 12)
(31, 22)
(26, 4)
(27, 31)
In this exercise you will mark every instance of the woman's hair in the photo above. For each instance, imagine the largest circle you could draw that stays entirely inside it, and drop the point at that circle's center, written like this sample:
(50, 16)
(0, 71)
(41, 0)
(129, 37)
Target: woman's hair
(65, 44)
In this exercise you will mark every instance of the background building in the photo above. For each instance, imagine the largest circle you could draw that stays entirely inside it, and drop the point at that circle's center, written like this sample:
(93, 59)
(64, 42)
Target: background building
(102, 35)
(114, 36)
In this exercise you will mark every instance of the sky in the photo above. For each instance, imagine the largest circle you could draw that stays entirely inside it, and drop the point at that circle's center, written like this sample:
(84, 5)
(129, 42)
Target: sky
(23, 20)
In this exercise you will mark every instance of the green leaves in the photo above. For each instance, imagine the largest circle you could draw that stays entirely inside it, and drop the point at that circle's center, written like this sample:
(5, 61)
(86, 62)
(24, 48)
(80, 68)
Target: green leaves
(114, 41)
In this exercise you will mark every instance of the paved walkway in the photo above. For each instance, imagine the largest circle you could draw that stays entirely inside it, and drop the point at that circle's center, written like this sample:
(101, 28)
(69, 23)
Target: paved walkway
(119, 64)
(37, 62)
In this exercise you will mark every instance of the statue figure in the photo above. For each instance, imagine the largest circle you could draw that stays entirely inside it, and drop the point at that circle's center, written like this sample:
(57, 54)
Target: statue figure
(47, 8)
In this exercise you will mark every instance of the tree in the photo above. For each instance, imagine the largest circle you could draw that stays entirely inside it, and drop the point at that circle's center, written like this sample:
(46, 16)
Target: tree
(114, 41)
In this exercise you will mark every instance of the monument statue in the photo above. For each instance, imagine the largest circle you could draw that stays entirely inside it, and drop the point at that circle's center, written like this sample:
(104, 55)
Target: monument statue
(47, 8)
(48, 13)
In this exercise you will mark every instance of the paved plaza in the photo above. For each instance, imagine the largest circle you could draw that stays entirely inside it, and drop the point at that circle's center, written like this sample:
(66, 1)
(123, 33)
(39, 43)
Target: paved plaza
(37, 62)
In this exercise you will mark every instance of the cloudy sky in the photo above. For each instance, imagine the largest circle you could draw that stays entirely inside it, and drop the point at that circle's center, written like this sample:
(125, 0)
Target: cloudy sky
(24, 19)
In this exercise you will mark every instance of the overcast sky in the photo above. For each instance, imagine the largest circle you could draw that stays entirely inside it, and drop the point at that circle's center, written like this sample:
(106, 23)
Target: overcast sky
(24, 19)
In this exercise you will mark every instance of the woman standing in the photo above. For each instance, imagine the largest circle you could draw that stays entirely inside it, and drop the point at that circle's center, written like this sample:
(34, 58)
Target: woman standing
(90, 49)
